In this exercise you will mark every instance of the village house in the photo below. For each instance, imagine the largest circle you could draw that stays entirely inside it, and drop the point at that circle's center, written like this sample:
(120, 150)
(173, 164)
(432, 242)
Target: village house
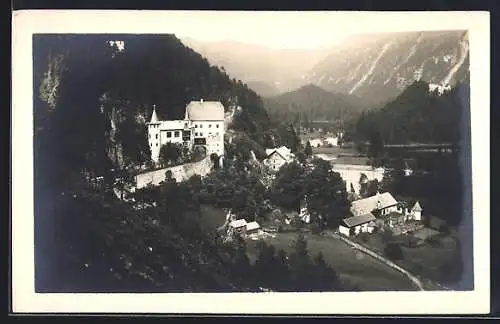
(277, 157)
(357, 224)
(252, 227)
(203, 125)
(316, 142)
(333, 141)
(383, 204)
(388, 212)
(239, 226)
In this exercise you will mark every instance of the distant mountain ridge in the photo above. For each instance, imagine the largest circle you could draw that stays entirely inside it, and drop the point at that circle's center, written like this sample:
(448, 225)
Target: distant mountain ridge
(381, 66)
(280, 69)
(314, 103)
(374, 67)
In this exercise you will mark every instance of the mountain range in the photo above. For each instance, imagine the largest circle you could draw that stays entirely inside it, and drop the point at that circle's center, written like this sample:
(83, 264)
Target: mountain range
(310, 102)
(374, 67)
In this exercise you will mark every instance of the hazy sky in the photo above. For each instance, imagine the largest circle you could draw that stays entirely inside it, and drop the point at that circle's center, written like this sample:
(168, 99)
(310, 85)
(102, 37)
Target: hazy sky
(292, 29)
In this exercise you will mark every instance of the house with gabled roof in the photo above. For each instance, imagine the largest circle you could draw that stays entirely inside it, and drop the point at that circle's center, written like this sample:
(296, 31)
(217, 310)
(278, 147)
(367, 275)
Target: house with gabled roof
(386, 212)
(357, 224)
(277, 157)
(383, 204)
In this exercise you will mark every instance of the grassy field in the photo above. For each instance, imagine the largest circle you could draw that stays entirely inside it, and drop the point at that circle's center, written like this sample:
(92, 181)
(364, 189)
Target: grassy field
(439, 262)
(335, 150)
(353, 266)
(211, 218)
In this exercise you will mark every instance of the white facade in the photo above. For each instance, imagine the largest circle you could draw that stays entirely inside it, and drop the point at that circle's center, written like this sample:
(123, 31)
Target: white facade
(275, 161)
(277, 157)
(332, 141)
(203, 125)
(417, 215)
(362, 228)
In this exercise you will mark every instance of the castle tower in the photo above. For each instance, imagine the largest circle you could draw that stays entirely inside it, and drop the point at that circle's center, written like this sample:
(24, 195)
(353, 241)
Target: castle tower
(154, 136)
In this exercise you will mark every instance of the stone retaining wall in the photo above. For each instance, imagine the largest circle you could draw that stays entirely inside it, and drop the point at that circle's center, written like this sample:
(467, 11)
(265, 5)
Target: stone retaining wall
(179, 173)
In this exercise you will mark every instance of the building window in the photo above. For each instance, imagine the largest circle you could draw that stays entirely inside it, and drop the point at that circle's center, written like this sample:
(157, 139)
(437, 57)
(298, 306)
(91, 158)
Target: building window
(201, 125)
(169, 134)
(201, 134)
(196, 126)
(217, 133)
(195, 134)
(156, 136)
(176, 134)
(209, 125)
(210, 133)
(156, 144)
(217, 125)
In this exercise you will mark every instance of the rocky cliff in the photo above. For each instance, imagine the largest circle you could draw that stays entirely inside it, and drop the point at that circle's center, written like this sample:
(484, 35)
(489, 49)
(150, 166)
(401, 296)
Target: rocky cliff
(381, 66)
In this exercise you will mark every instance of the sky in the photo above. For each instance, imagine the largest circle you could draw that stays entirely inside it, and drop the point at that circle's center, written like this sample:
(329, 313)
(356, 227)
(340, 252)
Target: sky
(297, 30)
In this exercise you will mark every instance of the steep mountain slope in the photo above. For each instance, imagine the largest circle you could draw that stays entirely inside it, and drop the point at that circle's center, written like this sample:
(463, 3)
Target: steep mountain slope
(418, 115)
(281, 68)
(380, 66)
(314, 103)
(264, 89)
(91, 102)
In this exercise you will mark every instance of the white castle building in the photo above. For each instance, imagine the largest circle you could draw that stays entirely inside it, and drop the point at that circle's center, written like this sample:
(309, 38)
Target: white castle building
(203, 125)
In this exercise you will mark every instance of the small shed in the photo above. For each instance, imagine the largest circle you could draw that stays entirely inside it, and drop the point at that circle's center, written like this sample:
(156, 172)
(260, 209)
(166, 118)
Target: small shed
(239, 225)
(357, 224)
(252, 227)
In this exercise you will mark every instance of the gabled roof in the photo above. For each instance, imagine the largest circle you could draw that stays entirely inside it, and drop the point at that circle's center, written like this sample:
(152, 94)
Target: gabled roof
(205, 110)
(252, 226)
(283, 151)
(277, 153)
(358, 220)
(366, 205)
(238, 223)
(417, 207)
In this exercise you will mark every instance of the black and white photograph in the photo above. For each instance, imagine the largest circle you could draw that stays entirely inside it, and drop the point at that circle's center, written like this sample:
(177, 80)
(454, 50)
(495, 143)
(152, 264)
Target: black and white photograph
(287, 160)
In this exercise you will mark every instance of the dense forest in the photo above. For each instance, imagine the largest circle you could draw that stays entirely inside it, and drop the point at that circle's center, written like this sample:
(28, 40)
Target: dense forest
(312, 103)
(416, 116)
(92, 99)
(93, 96)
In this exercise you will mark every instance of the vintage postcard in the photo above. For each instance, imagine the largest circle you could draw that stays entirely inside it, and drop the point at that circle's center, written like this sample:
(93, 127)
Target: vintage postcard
(250, 162)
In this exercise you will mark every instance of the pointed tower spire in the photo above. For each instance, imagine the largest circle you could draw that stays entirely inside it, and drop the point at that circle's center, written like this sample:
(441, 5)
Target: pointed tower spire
(154, 117)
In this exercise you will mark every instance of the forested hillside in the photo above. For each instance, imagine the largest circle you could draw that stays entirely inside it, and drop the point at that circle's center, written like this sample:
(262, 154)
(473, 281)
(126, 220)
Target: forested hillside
(416, 116)
(310, 103)
(92, 98)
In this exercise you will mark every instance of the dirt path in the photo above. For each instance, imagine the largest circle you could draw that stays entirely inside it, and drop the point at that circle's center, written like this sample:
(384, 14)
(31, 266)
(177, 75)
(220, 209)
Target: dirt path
(389, 263)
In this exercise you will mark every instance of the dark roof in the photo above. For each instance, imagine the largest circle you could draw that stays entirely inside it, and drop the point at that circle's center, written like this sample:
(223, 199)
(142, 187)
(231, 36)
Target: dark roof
(358, 220)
